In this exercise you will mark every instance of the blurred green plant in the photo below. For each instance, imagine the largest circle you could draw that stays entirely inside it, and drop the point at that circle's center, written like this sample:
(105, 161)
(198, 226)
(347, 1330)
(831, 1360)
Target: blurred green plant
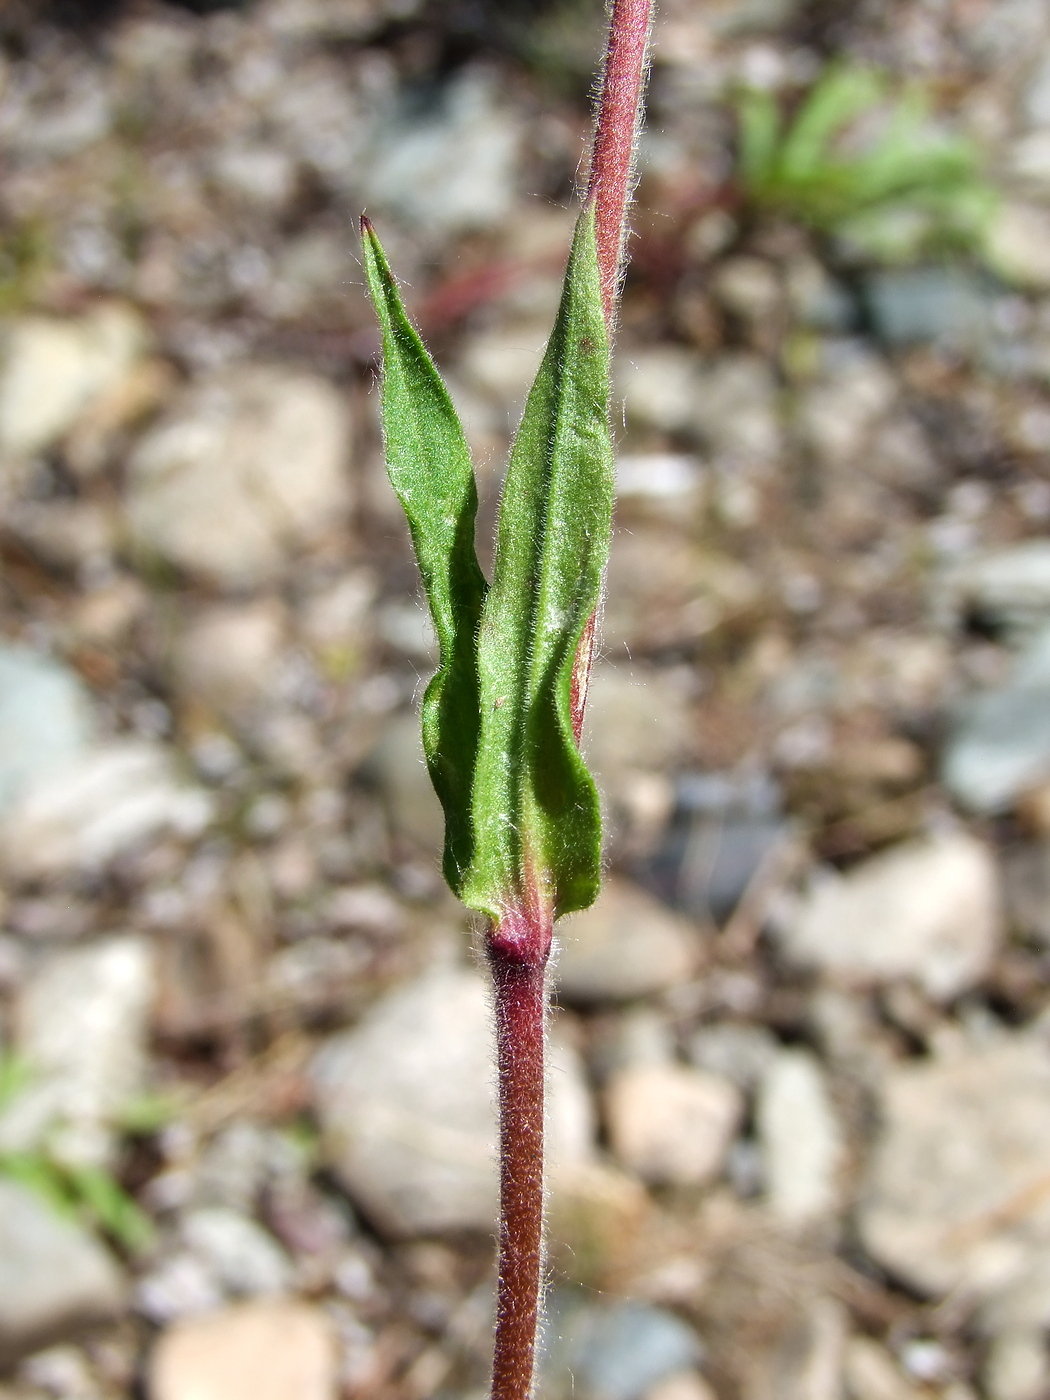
(25, 255)
(90, 1194)
(865, 164)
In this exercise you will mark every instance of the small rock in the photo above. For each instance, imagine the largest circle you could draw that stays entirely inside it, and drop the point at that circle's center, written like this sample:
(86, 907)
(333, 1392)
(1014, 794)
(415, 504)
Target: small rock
(504, 360)
(242, 1257)
(1007, 589)
(229, 654)
(749, 287)
(53, 370)
(111, 799)
(406, 1103)
(65, 534)
(399, 768)
(954, 1196)
(945, 305)
(740, 1053)
(1017, 1366)
(659, 386)
(816, 299)
(872, 1374)
(681, 1385)
(670, 1124)
(54, 1277)
(596, 1216)
(840, 412)
(724, 832)
(1026, 884)
(45, 719)
(999, 747)
(82, 1022)
(256, 1351)
(929, 910)
(246, 469)
(452, 166)
(1017, 245)
(674, 479)
(628, 945)
(734, 408)
(801, 1140)
(636, 720)
(613, 1350)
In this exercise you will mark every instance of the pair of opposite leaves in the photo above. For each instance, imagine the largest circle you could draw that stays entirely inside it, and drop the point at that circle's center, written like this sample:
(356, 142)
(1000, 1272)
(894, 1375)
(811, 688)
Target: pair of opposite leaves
(522, 822)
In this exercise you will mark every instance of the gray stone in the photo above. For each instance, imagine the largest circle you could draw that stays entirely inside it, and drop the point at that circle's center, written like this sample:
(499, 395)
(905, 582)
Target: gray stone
(803, 1147)
(1017, 1366)
(257, 1351)
(407, 1108)
(451, 167)
(52, 370)
(838, 415)
(1029, 161)
(82, 1023)
(929, 910)
(637, 719)
(54, 1278)
(740, 1053)
(238, 1252)
(45, 719)
(1026, 885)
(955, 1198)
(749, 287)
(872, 1374)
(245, 470)
(628, 945)
(611, 1350)
(109, 800)
(999, 745)
(1036, 102)
(399, 768)
(670, 1124)
(1007, 589)
(659, 386)
(734, 408)
(1017, 245)
(229, 654)
(945, 305)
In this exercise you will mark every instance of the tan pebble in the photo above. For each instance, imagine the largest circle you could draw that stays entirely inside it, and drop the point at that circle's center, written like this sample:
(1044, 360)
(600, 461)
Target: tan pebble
(254, 1351)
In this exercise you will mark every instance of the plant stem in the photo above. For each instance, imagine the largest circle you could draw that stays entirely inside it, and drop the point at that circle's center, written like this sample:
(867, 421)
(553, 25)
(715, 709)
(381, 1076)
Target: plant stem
(612, 154)
(518, 957)
(519, 945)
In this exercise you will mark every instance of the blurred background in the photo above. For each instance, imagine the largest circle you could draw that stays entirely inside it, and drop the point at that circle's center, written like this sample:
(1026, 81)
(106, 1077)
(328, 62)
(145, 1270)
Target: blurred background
(800, 1086)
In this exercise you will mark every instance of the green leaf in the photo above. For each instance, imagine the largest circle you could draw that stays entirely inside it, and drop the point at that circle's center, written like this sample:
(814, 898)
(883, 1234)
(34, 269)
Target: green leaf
(430, 469)
(112, 1208)
(537, 826)
(523, 826)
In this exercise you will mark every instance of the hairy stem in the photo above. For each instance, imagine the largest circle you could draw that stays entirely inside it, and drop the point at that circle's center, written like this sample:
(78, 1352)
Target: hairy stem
(518, 949)
(612, 155)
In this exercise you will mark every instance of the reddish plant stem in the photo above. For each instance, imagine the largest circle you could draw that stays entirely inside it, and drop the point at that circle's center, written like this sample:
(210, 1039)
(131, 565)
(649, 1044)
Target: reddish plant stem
(612, 154)
(518, 949)
(609, 186)
(519, 945)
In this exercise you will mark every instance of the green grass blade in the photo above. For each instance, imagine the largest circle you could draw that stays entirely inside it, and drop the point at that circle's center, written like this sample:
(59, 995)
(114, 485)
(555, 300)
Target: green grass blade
(537, 824)
(430, 468)
(842, 94)
(759, 134)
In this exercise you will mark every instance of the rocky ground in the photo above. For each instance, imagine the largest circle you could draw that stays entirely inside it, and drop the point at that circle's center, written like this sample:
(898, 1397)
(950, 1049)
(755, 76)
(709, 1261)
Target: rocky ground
(800, 1086)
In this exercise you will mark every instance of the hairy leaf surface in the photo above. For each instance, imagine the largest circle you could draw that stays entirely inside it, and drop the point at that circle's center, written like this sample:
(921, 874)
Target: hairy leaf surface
(523, 828)
(430, 469)
(537, 825)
